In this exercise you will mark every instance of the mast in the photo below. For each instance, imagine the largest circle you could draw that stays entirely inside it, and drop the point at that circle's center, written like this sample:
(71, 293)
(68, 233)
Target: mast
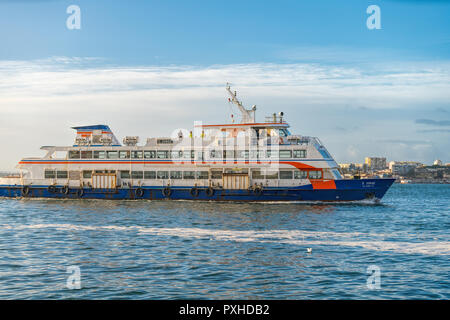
(248, 115)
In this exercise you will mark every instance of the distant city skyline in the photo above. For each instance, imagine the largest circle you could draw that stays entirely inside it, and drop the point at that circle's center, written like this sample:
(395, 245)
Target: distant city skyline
(149, 68)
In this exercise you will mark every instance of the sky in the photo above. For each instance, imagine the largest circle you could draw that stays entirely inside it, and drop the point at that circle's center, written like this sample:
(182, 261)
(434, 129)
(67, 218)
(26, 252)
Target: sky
(148, 68)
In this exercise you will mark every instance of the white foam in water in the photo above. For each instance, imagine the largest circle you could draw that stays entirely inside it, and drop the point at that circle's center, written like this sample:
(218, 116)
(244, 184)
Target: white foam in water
(294, 237)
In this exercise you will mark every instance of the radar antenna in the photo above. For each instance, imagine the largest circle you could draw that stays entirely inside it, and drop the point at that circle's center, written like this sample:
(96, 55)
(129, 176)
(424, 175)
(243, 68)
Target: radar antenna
(248, 115)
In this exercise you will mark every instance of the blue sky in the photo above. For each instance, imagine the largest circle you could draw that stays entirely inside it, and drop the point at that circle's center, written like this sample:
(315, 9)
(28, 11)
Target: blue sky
(148, 67)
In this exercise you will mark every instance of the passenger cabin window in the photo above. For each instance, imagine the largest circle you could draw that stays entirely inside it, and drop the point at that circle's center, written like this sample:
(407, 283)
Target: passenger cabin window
(256, 174)
(313, 174)
(49, 174)
(136, 154)
(149, 174)
(272, 175)
(125, 175)
(137, 175)
(189, 175)
(163, 174)
(202, 174)
(87, 174)
(215, 174)
(113, 154)
(160, 154)
(61, 174)
(74, 154)
(286, 154)
(124, 154)
(300, 174)
(149, 154)
(99, 154)
(176, 154)
(86, 154)
(176, 174)
(286, 174)
(299, 153)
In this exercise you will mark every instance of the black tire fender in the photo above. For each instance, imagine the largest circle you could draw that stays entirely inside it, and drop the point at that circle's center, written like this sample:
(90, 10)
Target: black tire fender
(210, 192)
(25, 190)
(194, 192)
(139, 192)
(167, 192)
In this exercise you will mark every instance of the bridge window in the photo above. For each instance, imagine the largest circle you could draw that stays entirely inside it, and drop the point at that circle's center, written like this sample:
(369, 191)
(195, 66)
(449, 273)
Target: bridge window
(137, 175)
(86, 154)
(74, 154)
(163, 174)
(315, 174)
(285, 154)
(125, 175)
(299, 153)
(49, 174)
(61, 174)
(124, 154)
(202, 174)
(228, 154)
(136, 154)
(243, 154)
(188, 174)
(286, 174)
(300, 174)
(148, 154)
(149, 174)
(176, 174)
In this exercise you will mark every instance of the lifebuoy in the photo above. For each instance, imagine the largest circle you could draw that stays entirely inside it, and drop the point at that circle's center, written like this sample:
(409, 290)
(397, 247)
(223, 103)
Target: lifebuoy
(167, 192)
(194, 192)
(210, 192)
(65, 190)
(257, 190)
(80, 193)
(139, 192)
(25, 190)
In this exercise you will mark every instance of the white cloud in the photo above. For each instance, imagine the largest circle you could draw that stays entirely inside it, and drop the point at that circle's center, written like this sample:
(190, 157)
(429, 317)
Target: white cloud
(45, 97)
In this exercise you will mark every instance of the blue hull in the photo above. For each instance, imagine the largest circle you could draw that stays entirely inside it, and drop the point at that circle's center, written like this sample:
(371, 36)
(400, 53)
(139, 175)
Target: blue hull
(346, 190)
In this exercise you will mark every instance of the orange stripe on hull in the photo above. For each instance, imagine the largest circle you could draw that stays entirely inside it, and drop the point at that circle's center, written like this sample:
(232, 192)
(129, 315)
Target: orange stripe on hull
(298, 165)
(323, 184)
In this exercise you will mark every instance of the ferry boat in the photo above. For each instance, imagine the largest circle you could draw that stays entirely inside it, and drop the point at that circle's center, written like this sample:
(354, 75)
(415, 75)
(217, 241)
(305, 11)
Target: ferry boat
(245, 161)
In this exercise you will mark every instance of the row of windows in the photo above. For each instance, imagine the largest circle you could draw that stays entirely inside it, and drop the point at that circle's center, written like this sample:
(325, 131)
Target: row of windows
(189, 154)
(256, 174)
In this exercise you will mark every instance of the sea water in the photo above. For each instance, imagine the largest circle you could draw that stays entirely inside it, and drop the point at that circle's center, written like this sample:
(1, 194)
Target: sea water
(98, 249)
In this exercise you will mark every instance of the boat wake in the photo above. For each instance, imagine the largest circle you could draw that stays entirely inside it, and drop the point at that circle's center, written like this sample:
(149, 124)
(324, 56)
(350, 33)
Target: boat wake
(367, 241)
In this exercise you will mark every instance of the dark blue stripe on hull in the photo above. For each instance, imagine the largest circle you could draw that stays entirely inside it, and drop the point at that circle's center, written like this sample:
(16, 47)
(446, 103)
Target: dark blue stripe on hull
(346, 190)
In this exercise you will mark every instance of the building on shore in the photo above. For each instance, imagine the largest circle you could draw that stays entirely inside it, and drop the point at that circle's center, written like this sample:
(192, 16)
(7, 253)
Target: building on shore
(402, 168)
(375, 163)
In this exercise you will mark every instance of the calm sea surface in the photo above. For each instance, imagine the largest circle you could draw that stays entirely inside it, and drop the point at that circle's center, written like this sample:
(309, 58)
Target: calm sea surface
(179, 250)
